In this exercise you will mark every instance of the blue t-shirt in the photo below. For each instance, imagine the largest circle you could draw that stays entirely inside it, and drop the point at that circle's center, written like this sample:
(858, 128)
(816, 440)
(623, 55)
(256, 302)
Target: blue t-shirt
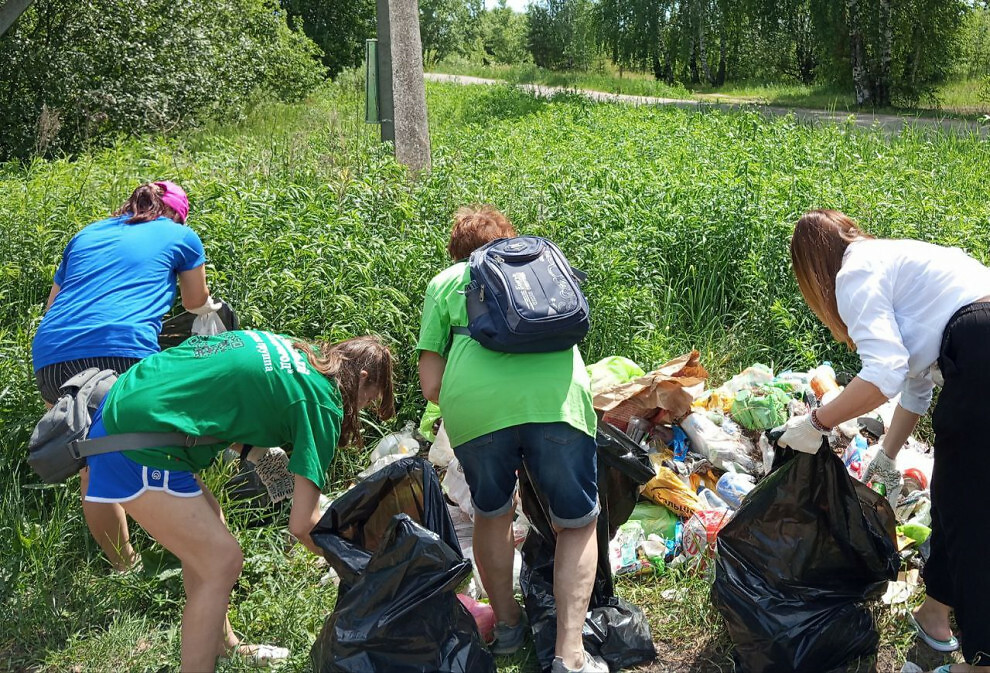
(116, 282)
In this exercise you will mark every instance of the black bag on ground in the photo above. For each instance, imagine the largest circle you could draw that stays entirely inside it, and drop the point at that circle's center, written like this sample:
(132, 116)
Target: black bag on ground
(393, 544)
(797, 562)
(614, 629)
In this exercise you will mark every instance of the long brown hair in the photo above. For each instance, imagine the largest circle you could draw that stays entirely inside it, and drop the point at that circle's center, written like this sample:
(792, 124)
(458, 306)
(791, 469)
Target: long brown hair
(474, 227)
(820, 240)
(145, 204)
(343, 362)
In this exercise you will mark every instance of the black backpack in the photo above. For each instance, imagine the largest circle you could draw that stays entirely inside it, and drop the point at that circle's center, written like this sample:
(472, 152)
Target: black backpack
(524, 297)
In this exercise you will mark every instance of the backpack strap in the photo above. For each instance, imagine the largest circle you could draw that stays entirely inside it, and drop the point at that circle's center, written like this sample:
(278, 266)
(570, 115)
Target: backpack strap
(460, 330)
(131, 441)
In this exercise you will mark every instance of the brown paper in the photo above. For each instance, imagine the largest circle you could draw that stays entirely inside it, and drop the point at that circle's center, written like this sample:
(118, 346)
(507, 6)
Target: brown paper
(661, 389)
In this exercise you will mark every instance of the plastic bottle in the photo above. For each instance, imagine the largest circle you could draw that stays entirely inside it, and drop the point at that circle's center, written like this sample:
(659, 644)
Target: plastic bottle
(823, 380)
(733, 488)
(711, 500)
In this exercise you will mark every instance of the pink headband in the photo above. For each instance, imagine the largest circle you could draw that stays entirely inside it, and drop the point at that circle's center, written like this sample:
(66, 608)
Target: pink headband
(175, 198)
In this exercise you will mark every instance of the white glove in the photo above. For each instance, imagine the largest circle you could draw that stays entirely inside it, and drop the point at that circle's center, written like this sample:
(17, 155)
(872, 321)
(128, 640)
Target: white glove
(884, 470)
(800, 435)
(210, 306)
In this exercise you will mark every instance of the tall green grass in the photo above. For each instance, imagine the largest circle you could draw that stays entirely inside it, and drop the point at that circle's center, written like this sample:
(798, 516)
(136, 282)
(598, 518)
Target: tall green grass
(681, 219)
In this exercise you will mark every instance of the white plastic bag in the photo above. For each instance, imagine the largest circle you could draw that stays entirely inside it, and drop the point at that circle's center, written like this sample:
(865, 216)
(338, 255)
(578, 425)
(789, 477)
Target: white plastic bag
(440, 452)
(208, 324)
(457, 489)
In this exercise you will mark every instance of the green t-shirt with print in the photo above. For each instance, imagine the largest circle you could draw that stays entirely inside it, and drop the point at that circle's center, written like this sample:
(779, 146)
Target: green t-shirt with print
(242, 386)
(485, 390)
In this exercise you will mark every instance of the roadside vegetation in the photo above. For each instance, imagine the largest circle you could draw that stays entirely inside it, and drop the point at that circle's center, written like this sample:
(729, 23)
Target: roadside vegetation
(681, 218)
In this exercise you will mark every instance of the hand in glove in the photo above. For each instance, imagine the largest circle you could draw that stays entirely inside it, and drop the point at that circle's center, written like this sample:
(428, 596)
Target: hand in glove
(883, 469)
(272, 467)
(800, 435)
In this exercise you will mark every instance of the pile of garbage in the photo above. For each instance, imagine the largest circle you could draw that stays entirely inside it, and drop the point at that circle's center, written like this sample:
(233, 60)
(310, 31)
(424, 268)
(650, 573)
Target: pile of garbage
(677, 462)
(709, 448)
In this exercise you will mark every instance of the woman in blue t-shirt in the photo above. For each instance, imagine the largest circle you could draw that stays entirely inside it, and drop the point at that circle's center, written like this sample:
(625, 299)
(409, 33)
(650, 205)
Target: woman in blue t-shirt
(116, 280)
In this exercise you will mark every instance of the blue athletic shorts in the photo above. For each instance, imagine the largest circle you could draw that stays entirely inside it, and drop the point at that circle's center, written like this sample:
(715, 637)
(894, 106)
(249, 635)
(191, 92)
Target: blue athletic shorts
(113, 477)
(562, 461)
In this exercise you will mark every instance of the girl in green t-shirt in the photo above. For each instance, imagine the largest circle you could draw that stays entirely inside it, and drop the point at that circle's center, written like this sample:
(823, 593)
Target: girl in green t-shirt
(248, 387)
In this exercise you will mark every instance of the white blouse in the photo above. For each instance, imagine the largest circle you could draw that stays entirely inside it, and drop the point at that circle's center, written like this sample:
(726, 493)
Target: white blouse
(896, 297)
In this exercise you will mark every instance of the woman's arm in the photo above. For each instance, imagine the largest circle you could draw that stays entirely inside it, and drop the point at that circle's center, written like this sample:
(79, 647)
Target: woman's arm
(192, 287)
(859, 397)
(901, 426)
(51, 295)
(305, 513)
(431, 368)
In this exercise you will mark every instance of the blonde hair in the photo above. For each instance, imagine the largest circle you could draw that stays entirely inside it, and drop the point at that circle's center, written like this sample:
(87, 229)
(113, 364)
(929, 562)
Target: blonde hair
(818, 244)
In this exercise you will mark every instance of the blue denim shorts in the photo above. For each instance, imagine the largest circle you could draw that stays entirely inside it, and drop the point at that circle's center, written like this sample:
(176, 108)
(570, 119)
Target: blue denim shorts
(562, 461)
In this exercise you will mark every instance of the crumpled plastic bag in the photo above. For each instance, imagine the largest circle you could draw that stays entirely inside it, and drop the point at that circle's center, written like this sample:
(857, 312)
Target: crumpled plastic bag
(179, 327)
(667, 489)
(794, 567)
(760, 408)
(208, 324)
(612, 371)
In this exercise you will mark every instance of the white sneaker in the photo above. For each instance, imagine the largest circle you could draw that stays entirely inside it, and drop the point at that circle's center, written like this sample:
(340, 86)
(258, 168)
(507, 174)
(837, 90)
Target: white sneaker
(592, 664)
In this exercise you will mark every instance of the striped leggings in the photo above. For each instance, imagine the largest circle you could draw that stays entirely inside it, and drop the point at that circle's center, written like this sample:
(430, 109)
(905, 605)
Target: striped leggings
(51, 378)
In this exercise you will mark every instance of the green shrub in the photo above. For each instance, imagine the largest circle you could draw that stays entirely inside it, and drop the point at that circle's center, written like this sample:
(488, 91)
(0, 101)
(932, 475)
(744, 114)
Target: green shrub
(75, 72)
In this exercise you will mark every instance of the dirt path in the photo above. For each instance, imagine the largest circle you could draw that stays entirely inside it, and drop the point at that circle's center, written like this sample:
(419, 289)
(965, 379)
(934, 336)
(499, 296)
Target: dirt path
(890, 123)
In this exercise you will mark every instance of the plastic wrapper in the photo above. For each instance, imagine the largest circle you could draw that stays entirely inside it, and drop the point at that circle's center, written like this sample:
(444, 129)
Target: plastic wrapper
(760, 408)
(726, 452)
(654, 519)
(733, 488)
(614, 629)
(392, 543)
(701, 531)
(667, 489)
(797, 562)
(612, 371)
(854, 457)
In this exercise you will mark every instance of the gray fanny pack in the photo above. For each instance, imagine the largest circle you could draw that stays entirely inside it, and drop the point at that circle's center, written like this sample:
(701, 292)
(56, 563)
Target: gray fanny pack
(58, 447)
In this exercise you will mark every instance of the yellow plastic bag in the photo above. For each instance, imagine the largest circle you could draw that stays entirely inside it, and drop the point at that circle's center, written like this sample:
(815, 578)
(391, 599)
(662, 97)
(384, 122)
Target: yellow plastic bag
(668, 490)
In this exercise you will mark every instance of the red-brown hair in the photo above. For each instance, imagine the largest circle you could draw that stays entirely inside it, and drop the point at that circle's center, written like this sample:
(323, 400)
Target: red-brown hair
(476, 226)
(819, 242)
(343, 362)
(145, 204)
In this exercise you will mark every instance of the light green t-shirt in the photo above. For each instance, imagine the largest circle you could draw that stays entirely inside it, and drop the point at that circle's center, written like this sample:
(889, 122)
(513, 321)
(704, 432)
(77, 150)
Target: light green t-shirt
(484, 390)
(243, 386)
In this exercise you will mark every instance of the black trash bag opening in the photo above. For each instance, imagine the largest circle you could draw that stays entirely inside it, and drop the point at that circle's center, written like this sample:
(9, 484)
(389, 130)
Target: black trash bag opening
(354, 525)
(795, 565)
(614, 629)
(402, 614)
(178, 327)
(392, 542)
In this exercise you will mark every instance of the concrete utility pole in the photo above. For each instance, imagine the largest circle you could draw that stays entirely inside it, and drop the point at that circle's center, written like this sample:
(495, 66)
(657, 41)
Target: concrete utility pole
(402, 89)
(10, 11)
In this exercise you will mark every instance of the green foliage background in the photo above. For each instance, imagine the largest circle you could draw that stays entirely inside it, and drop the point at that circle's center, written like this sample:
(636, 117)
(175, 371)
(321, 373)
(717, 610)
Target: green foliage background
(682, 219)
(73, 73)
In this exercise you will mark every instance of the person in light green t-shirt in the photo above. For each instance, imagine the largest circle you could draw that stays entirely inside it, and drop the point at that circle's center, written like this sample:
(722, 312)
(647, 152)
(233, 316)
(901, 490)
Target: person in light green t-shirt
(247, 387)
(503, 410)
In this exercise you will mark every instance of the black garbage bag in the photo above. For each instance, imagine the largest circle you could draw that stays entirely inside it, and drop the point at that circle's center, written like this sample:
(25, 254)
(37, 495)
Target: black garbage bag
(614, 629)
(391, 540)
(795, 565)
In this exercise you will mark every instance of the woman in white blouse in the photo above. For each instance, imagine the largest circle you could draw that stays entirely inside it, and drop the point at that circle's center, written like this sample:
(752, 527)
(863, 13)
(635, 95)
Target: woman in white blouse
(915, 313)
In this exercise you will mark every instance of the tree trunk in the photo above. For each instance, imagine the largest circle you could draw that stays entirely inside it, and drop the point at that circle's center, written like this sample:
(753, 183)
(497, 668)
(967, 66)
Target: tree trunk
(723, 65)
(884, 77)
(857, 56)
(702, 48)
